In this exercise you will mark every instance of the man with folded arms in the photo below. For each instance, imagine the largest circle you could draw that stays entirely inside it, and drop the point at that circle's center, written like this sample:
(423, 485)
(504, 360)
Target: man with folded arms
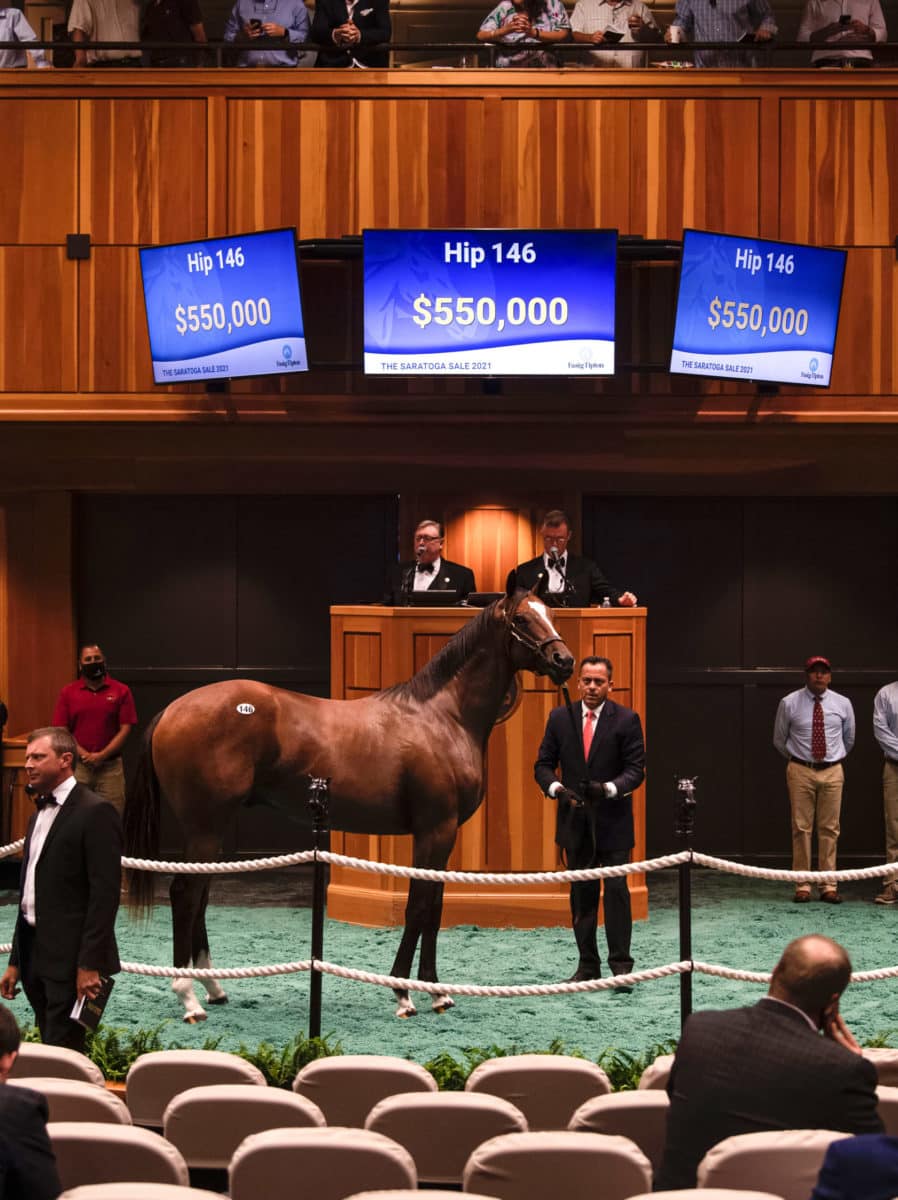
(814, 730)
(767, 1067)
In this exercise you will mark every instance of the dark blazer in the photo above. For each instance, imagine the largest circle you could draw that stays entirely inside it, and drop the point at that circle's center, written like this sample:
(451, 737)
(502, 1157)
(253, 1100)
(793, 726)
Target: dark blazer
(27, 1166)
(859, 1168)
(77, 885)
(452, 578)
(372, 17)
(617, 755)
(753, 1069)
(587, 584)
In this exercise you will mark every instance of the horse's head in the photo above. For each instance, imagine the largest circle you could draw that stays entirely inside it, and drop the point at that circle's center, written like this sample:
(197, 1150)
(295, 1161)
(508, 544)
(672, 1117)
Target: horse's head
(535, 642)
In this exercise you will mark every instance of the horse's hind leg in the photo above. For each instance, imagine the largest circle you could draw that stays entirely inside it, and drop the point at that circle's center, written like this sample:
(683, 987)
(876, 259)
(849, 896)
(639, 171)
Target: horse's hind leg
(215, 993)
(186, 894)
(402, 963)
(427, 965)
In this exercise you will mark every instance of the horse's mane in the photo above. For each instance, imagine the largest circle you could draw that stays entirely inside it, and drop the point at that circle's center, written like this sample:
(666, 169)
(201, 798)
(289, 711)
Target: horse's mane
(446, 663)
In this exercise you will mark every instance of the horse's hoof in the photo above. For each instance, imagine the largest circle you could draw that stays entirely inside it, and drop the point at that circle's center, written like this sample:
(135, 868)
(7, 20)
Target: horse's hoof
(191, 1018)
(406, 1009)
(222, 999)
(442, 1004)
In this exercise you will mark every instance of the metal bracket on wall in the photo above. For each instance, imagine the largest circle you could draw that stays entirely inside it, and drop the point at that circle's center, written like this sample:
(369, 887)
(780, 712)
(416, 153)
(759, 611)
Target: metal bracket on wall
(77, 246)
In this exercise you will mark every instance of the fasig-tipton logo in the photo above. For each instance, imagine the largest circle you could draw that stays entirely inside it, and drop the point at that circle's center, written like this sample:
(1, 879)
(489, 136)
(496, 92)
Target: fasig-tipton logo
(813, 370)
(285, 362)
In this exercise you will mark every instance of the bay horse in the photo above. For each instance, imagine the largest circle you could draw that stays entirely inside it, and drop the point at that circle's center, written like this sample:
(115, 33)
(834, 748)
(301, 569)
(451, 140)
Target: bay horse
(407, 760)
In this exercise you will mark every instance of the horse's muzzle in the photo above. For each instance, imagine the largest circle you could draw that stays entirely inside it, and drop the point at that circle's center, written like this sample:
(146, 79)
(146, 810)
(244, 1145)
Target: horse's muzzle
(560, 666)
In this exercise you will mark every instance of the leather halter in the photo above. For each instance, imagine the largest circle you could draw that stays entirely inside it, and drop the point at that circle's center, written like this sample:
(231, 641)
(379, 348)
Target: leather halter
(525, 639)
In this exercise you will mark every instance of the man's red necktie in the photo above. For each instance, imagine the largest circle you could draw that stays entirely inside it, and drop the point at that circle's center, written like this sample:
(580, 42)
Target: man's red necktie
(588, 730)
(818, 735)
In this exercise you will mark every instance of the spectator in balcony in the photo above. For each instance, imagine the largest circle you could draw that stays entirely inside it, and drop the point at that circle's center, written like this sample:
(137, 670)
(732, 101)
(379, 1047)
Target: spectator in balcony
(845, 26)
(256, 26)
(530, 23)
(173, 21)
(14, 28)
(346, 29)
(106, 21)
(602, 22)
(722, 21)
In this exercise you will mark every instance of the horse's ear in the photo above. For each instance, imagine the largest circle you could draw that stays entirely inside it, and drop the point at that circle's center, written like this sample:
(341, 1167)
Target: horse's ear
(510, 585)
(534, 591)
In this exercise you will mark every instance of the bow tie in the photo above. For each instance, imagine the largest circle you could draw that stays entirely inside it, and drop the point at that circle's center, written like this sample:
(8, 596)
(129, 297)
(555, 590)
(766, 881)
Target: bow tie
(558, 563)
(43, 802)
(426, 568)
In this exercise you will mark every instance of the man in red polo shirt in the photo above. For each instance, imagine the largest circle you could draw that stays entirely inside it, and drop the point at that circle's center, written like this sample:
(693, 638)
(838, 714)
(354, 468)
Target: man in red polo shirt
(99, 712)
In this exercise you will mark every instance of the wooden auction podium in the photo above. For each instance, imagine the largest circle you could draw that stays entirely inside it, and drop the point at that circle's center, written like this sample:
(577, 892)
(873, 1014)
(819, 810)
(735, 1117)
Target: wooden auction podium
(513, 830)
(16, 806)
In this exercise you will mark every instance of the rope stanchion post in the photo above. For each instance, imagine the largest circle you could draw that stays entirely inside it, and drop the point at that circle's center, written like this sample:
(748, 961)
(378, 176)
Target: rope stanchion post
(318, 803)
(684, 828)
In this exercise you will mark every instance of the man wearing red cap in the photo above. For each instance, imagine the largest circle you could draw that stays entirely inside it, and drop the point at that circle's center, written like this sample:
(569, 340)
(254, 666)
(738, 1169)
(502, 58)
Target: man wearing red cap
(814, 730)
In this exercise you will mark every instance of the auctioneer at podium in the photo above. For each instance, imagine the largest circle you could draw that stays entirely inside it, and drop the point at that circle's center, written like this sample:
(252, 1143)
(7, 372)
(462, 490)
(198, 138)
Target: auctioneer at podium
(563, 579)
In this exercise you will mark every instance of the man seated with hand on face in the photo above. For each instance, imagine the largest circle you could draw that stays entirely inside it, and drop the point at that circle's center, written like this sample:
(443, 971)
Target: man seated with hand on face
(787, 1062)
(27, 1166)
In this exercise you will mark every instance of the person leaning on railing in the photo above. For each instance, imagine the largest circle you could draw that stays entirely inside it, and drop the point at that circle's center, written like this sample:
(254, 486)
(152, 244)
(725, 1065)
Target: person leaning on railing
(626, 21)
(106, 21)
(846, 26)
(14, 28)
(722, 21)
(527, 22)
(259, 27)
(345, 29)
(173, 21)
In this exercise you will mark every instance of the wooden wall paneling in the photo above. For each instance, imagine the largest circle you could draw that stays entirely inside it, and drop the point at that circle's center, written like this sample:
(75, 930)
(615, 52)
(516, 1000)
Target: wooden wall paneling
(839, 179)
(591, 163)
(38, 321)
(217, 148)
(38, 150)
(143, 170)
(41, 647)
(5, 632)
(362, 663)
(490, 540)
(113, 342)
(866, 354)
(694, 162)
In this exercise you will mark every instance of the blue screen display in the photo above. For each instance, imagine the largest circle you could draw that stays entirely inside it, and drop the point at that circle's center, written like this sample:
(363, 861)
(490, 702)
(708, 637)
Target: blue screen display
(489, 302)
(224, 308)
(756, 310)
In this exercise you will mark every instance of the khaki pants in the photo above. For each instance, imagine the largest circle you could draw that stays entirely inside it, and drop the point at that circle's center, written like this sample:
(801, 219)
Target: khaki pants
(890, 810)
(815, 796)
(107, 780)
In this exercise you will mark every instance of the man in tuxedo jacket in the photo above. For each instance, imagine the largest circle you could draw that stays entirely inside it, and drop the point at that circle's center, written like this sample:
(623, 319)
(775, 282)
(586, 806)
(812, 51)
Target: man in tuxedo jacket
(563, 579)
(27, 1166)
(428, 571)
(346, 33)
(600, 749)
(64, 941)
(787, 1062)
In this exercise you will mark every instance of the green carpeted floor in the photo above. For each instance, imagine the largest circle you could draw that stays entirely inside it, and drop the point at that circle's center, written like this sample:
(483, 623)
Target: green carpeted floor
(736, 922)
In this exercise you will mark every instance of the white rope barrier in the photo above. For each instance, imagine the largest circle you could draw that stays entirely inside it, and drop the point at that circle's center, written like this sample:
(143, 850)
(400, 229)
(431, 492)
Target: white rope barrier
(732, 868)
(290, 968)
(12, 848)
(504, 877)
(219, 868)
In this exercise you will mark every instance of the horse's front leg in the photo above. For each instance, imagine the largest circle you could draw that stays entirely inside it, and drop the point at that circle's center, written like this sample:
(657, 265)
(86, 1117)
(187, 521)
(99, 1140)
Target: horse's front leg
(427, 965)
(402, 963)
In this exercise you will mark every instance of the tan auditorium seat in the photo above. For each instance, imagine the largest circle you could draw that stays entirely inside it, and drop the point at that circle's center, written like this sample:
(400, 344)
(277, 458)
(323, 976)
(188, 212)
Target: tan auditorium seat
(156, 1078)
(887, 1106)
(440, 1130)
(886, 1063)
(414, 1194)
(347, 1086)
(208, 1123)
(90, 1152)
(639, 1116)
(785, 1162)
(35, 1059)
(657, 1073)
(532, 1166)
(75, 1100)
(708, 1194)
(547, 1088)
(332, 1163)
(137, 1191)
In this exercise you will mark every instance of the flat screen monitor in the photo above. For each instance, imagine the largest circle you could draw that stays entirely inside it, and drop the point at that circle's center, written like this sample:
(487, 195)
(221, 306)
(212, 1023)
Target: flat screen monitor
(224, 308)
(431, 598)
(489, 301)
(755, 310)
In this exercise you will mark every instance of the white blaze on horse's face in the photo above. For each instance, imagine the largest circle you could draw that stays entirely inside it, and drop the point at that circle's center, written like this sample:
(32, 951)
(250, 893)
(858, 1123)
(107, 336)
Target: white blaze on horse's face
(541, 610)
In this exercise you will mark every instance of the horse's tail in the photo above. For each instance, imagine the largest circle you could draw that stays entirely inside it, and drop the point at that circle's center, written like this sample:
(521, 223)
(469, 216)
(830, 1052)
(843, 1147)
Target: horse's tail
(141, 824)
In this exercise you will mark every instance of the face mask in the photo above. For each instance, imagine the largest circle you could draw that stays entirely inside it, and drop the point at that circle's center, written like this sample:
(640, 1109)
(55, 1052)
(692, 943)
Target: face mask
(94, 670)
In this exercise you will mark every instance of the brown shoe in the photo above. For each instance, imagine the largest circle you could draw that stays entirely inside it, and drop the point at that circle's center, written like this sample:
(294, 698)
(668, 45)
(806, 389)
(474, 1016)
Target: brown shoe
(802, 896)
(888, 895)
(830, 896)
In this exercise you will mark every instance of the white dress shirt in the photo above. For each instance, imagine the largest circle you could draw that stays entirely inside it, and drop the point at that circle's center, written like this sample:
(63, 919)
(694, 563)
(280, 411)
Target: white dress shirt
(423, 579)
(610, 788)
(556, 577)
(42, 826)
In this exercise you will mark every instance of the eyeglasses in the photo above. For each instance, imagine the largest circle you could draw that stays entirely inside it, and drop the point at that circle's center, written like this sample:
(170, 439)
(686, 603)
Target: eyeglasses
(427, 537)
(556, 537)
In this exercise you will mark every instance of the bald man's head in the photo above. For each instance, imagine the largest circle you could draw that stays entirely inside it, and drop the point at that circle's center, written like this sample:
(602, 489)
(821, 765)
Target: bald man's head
(811, 973)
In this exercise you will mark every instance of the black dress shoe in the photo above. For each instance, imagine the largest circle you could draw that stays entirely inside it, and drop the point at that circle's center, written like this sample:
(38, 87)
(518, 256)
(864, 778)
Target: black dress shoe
(581, 976)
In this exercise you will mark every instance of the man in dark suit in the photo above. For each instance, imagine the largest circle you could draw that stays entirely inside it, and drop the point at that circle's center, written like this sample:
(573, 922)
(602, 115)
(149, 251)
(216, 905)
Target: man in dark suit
(429, 571)
(27, 1166)
(768, 1067)
(64, 941)
(347, 31)
(859, 1168)
(563, 579)
(600, 749)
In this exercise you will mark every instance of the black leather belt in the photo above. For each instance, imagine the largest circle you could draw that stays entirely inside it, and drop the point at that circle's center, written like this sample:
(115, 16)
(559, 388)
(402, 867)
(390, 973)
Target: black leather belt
(815, 766)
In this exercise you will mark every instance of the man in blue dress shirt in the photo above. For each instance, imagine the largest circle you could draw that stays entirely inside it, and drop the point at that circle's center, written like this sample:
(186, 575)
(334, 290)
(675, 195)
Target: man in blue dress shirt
(814, 730)
(885, 730)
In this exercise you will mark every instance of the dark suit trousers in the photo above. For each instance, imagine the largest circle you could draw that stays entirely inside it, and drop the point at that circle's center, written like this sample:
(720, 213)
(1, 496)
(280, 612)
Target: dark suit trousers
(51, 999)
(585, 911)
